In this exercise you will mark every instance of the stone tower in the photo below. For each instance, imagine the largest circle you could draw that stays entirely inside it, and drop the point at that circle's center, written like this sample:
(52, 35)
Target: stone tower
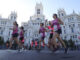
(39, 9)
(61, 13)
(13, 16)
(38, 12)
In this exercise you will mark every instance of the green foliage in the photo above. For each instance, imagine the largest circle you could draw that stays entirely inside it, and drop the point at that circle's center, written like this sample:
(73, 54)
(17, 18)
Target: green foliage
(71, 43)
(1, 41)
(66, 42)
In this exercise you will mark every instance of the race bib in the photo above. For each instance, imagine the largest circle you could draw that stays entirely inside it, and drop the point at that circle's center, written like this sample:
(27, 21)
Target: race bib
(55, 28)
(41, 34)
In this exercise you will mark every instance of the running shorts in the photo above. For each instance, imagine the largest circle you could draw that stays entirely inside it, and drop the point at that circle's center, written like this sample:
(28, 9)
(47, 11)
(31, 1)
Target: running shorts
(59, 31)
(15, 35)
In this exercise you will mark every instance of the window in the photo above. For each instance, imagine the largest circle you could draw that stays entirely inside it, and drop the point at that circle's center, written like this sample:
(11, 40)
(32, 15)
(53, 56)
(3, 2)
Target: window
(11, 17)
(62, 14)
(38, 23)
(68, 19)
(29, 33)
(65, 31)
(79, 25)
(64, 27)
(70, 37)
(4, 22)
(75, 36)
(65, 37)
(1, 22)
(14, 17)
(73, 25)
(9, 33)
(69, 26)
(72, 30)
(1, 32)
(38, 18)
(38, 11)
(33, 23)
(59, 15)
(35, 35)
(72, 18)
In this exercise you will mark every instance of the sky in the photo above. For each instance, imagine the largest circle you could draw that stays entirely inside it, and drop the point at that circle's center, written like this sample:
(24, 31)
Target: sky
(26, 8)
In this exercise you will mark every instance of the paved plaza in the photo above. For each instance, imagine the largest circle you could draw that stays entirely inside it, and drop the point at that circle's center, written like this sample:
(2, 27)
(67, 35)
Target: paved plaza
(38, 55)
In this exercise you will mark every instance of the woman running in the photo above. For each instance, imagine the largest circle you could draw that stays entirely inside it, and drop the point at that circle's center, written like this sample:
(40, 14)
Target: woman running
(57, 31)
(36, 43)
(14, 34)
(42, 34)
(22, 36)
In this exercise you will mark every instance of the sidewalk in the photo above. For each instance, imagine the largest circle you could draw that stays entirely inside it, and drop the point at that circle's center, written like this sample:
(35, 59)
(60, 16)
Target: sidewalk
(3, 53)
(42, 55)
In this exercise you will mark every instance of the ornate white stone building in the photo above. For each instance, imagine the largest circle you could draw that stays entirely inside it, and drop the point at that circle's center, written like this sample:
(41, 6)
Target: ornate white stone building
(33, 25)
(70, 28)
(6, 24)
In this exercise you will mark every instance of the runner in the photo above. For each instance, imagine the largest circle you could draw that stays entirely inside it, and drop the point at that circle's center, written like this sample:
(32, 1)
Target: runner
(36, 43)
(14, 34)
(42, 34)
(57, 31)
(22, 37)
(32, 43)
(50, 27)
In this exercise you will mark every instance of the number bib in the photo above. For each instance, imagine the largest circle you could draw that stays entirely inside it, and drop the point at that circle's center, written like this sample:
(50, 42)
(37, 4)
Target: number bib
(55, 28)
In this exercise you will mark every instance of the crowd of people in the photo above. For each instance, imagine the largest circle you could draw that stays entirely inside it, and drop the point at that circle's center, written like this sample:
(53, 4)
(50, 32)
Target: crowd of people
(54, 30)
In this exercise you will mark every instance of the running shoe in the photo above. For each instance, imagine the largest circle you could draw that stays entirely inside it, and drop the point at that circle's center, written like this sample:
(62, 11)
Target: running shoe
(66, 49)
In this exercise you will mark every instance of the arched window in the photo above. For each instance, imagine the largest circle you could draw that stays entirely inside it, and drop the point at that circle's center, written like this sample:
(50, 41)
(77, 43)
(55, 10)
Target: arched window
(72, 30)
(14, 17)
(38, 11)
(62, 14)
(11, 17)
(38, 18)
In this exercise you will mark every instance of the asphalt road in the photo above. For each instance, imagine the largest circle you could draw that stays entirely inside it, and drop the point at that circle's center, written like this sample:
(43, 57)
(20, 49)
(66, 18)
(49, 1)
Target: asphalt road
(36, 55)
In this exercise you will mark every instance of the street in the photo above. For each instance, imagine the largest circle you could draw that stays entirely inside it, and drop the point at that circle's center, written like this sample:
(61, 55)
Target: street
(36, 55)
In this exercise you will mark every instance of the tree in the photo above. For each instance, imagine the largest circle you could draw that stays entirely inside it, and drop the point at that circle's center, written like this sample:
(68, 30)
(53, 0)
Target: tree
(1, 41)
(71, 44)
(66, 42)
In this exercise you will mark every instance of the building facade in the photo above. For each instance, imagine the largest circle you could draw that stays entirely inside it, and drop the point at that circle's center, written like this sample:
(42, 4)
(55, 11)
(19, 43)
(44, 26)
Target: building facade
(32, 26)
(6, 24)
(70, 28)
